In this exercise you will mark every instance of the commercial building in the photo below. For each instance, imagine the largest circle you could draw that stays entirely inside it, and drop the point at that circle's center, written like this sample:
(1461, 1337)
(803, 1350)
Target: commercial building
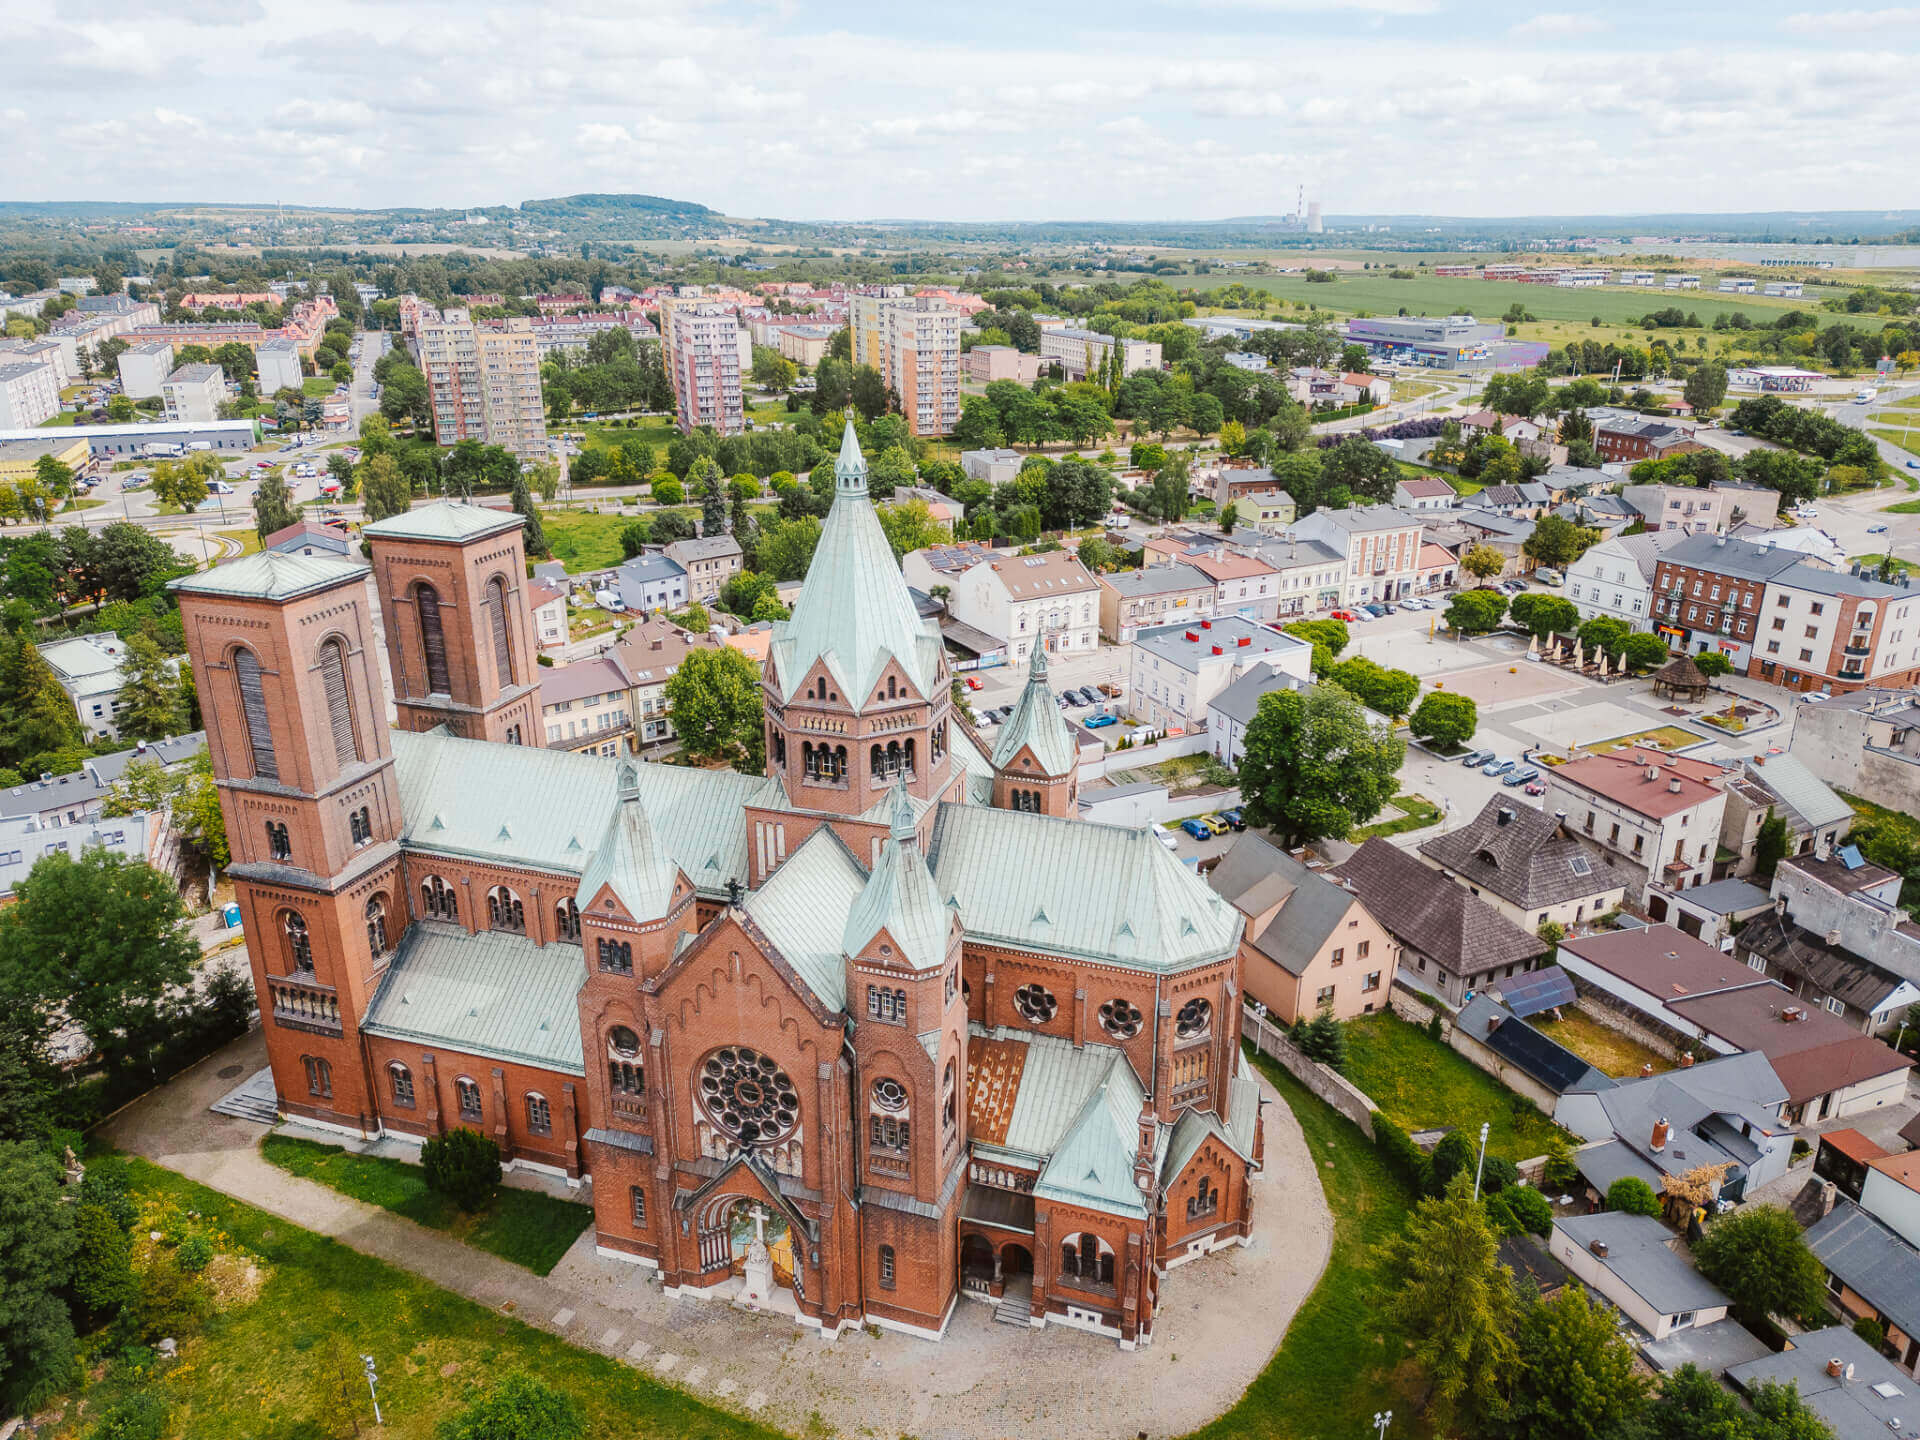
(1709, 593)
(483, 381)
(1156, 595)
(1177, 670)
(1835, 631)
(91, 669)
(988, 363)
(1656, 814)
(1079, 353)
(1446, 342)
(914, 342)
(29, 394)
(144, 369)
(1381, 545)
(1243, 585)
(120, 442)
(1026, 599)
(194, 393)
(1622, 442)
(20, 459)
(1615, 577)
(279, 365)
(700, 346)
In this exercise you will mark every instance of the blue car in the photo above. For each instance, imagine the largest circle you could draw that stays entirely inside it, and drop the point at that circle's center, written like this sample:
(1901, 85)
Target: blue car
(1521, 777)
(1198, 829)
(1095, 722)
(1496, 767)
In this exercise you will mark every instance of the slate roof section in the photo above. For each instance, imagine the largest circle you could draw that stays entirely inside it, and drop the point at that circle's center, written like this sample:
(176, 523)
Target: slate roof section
(492, 993)
(1523, 855)
(1255, 875)
(1074, 887)
(1241, 699)
(1856, 981)
(1641, 1257)
(1547, 1061)
(449, 521)
(1429, 913)
(273, 575)
(1870, 1260)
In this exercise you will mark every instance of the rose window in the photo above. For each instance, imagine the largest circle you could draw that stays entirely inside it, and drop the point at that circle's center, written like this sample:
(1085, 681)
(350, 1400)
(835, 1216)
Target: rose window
(748, 1096)
(1121, 1019)
(1036, 1002)
(1192, 1021)
(889, 1095)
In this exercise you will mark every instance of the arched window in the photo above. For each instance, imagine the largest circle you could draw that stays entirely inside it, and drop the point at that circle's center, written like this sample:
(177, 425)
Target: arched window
(333, 682)
(950, 1106)
(319, 1076)
(888, 1125)
(625, 1075)
(401, 1079)
(299, 945)
(360, 823)
(616, 955)
(437, 898)
(1205, 1199)
(502, 631)
(433, 640)
(505, 910)
(1088, 1258)
(566, 919)
(539, 1115)
(377, 924)
(911, 768)
(939, 741)
(279, 844)
(253, 713)
(467, 1090)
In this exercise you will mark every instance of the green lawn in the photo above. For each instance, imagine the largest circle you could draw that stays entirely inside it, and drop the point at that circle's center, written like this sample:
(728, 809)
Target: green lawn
(524, 1226)
(1905, 507)
(318, 386)
(250, 1374)
(1900, 439)
(584, 540)
(1338, 1365)
(1462, 486)
(1900, 566)
(657, 430)
(1420, 813)
(1422, 1084)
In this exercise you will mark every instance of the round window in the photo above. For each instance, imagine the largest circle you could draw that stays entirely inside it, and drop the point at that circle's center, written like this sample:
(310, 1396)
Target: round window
(623, 1043)
(1121, 1018)
(889, 1094)
(1193, 1020)
(1036, 1002)
(748, 1096)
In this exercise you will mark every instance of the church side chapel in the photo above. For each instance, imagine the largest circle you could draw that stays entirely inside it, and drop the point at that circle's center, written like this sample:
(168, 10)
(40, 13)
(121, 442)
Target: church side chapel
(883, 1029)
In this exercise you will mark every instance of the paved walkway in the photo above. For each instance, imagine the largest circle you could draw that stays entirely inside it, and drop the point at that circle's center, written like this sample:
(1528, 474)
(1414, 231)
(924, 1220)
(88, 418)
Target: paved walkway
(1220, 1318)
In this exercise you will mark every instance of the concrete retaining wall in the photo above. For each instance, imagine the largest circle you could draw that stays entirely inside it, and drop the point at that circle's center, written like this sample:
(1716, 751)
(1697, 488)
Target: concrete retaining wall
(1329, 1085)
(1141, 756)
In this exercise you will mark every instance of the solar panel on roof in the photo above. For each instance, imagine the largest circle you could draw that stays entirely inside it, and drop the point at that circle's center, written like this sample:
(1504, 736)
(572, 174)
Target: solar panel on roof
(1537, 990)
(1851, 857)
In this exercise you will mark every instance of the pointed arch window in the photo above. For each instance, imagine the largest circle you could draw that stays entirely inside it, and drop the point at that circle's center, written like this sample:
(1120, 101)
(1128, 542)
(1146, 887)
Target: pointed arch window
(566, 919)
(433, 638)
(401, 1080)
(467, 1089)
(377, 925)
(616, 956)
(319, 1076)
(505, 911)
(437, 898)
(299, 944)
(333, 681)
(502, 631)
(253, 713)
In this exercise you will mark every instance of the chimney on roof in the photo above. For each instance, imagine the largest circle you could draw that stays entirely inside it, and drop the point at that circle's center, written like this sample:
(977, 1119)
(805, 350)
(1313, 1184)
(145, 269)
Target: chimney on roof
(1673, 785)
(1598, 1247)
(1686, 1060)
(1493, 1023)
(1661, 1130)
(1506, 815)
(1836, 1367)
(1653, 772)
(1827, 1193)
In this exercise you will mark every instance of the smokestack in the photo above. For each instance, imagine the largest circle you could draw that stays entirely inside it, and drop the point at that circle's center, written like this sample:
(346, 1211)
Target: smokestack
(1827, 1193)
(1661, 1130)
(1673, 785)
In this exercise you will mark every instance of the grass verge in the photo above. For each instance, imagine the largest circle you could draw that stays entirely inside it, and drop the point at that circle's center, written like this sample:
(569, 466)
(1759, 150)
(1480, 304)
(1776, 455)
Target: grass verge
(1420, 813)
(252, 1372)
(1338, 1364)
(523, 1226)
(1423, 1084)
(1666, 737)
(1873, 562)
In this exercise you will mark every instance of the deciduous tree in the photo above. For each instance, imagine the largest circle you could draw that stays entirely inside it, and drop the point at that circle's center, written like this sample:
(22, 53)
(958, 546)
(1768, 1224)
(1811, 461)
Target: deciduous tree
(714, 698)
(273, 505)
(1758, 1257)
(1445, 720)
(36, 1251)
(1313, 767)
(1483, 562)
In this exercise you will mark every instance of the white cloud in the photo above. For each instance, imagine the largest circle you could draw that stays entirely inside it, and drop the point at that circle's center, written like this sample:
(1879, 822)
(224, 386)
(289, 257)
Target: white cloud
(1555, 23)
(1819, 22)
(1322, 7)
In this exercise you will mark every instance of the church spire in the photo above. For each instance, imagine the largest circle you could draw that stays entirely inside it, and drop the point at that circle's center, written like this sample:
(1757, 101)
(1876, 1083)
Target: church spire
(850, 467)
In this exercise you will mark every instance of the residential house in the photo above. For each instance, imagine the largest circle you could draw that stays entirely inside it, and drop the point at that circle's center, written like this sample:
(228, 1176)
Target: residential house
(1873, 1273)
(1783, 786)
(1268, 511)
(1309, 946)
(650, 652)
(1615, 577)
(1231, 711)
(650, 582)
(938, 566)
(1528, 866)
(1381, 545)
(584, 706)
(90, 668)
(1658, 814)
(1710, 912)
(1837, 938)
(1625, 441)
(1837, 631)
(941, 509)
(549, 606)
(1232, 482)
(1507, 534)
(1850, 1386)
(1131, 599)
(1520, 1056)
(1424, 492)
(1527, 501)
(306, 537)
(1724, 1111)
(1643, 972)
(1177, 670)
(1451, 942)
(1243, 585)
(1630, 1260)
(1684, 508)
(1749, 504)
(710, 561)
(1025, 600)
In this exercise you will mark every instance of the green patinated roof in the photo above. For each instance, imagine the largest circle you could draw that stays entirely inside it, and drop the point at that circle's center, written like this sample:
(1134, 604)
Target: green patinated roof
(1037, 723)
(550, 809)
(491, 993)
(978, 766)
(1056, 1078)
(627, 858)
(901, 898)
(854, 612)
(803, 910)
(448, 520)
(1071, 887)
(1093, 1163)
(272, 575)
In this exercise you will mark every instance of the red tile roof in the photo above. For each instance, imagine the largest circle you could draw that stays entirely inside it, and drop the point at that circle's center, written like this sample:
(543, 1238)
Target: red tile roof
(1646, 783)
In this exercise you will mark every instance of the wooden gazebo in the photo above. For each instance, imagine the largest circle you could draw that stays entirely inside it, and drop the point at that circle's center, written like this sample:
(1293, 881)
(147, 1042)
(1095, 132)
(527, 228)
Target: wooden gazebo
(1680, 679)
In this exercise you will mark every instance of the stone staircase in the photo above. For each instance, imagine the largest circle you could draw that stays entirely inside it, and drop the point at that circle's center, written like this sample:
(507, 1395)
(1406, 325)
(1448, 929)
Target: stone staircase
(254, 1099)
(1016, 1303)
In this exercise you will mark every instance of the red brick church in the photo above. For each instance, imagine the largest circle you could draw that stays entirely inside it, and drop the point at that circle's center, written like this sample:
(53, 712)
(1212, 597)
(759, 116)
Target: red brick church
(883, 1028)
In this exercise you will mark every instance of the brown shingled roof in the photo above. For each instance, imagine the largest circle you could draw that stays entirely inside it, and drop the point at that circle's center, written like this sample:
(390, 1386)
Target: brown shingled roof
(1427, 912)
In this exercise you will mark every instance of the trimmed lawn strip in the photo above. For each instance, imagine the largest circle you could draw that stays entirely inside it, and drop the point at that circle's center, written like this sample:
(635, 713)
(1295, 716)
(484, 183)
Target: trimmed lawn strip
(1338, 1364)
(524, 1226)
(1420, 813)
(250, 1373)
(1424, 1084)
(1666, 737)
(1873, 562)
(1607, 1050)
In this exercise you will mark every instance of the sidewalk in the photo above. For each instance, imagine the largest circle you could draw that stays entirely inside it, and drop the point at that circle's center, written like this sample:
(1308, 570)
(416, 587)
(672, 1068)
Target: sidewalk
(1226, 1314)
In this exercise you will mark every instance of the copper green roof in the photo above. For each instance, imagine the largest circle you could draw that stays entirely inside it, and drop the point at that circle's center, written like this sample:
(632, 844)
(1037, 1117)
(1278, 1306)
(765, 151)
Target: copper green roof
(272, 575)
(1037, 723)
(855, 612)
(1093, 1163)
(448, 520)
(1071, 887)
(803, 910)
(901, 898)
(627, 859)
(493, 993)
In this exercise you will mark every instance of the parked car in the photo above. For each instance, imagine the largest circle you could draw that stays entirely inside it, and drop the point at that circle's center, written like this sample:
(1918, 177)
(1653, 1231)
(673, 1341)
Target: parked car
(1549, 577)
(1496, 767)
(219, 487)
(1416, 603)
(1166, 837)
(1477, 759)
(1108, 688)
(1098, 722)
(1876, 529)
(1198, 829)
(1235, 818)
(1522, 777)
(1536, 787)
(973, 683)
(1344, 615)
(1814, 697)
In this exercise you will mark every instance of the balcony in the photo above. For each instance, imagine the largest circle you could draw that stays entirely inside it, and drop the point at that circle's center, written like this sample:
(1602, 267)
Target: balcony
(300, 1004)
(1858, 647)
(629, 1108)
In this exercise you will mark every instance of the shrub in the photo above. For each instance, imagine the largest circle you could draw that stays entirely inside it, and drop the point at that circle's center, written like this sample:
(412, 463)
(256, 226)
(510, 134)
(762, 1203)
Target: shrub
(1436, 1028)
(463, 1165)
(1632, 1196)
(195, 1253)
(1562, 1170)
(1401, 1156)
(1519, 1208)
(103, 1278)
(171, 1301)
(1498, 1173)
(138, 1417)
(1552, 931)
(518, 1408)
(105, 1185)
(1873, 1331)
(1454, 1155)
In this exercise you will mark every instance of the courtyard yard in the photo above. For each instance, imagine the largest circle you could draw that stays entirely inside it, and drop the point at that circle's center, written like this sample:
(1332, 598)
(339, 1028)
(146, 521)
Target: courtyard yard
(1666, 737)
(1422, 1084)
(1606, 1049)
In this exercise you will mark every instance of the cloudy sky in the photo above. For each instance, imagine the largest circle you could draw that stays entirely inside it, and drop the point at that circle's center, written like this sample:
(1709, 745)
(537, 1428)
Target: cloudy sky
(843, 109)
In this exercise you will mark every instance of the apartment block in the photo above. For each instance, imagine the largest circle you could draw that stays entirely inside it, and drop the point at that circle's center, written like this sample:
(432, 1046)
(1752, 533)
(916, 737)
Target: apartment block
(279, 362)
(701, 343)
(144, 369)
(1079, 352)
(483, 381)
(29, 394)
(43, 352)
(194, 392)
(914, 342)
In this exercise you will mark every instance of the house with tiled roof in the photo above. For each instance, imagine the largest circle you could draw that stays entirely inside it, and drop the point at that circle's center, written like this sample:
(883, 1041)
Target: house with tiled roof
(1656, 815)
(878, 1030)
(1528, 865)
(1424, 492)
(1048, 600)
(1243, 584)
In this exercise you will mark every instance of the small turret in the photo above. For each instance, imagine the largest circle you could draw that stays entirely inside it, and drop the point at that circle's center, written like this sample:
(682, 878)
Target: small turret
(1036, 760)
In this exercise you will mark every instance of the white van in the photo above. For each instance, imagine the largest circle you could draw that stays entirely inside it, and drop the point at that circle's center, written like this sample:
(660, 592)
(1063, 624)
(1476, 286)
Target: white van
(609, 600)
(1867, 396)
(1166, 837)
(219, 487)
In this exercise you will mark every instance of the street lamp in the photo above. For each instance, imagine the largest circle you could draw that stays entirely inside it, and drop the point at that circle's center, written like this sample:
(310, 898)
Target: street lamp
(1382, 1419)
(1481, 1163)
(372, 1381)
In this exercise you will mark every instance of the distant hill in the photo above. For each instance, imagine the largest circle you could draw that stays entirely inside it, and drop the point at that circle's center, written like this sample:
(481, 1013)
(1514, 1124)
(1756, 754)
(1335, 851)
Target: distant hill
(612, 207)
